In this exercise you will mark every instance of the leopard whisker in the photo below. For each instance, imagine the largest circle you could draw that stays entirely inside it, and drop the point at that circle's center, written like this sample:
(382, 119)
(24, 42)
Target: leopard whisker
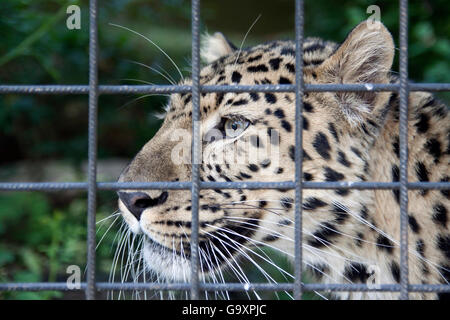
(149, 40)
(153, 69)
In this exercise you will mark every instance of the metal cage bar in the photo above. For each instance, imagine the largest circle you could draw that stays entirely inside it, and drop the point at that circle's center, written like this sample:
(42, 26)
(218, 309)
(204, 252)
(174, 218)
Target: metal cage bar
(92, 149)
(403, 145)
(195, 185)
(298, 289)
(196, 144)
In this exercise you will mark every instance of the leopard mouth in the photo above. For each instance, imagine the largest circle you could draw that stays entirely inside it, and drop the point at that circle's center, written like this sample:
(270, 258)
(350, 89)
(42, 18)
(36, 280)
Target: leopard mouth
(217, 250)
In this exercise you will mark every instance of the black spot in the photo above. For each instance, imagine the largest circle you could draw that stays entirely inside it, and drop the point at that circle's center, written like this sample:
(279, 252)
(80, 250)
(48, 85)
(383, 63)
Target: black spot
(285, 222)
(305, 124)
(321, 145)
(314, 47)
(342, 159)
(286, 125)
(290, 67)
(307, 176)
(292, 153)
(396, 178)
(433, 146)
(421, 171)
(356, 272)
(275, 63)
(226, 195)
(221, 78)
(244, 175)
(364, 213)
(333, 131)
(258, 68)
(305, 155)
(395, 146)
(270, 238)
(357, 152)
(279, 170)
(218, 169)
(256, 142)
(279, 113)
(287, 52)
(422, 175)
(312, 61)
(210, 178)
(443, 244)
(313, 203)
(332, 175)
(395, 269)
(423, 124)
(219, 98)
(254, 96)
(214, 208)
(240, 102)
(284, 80)
(385, 244)
(236, 77)
(286, 202)
(413, 224)
(342, 192)
(262, 203)
(340, 211)
(225, 178)
(420, 247)
(318, 270)
(440, 214)
(359, 239)
(255, 58)
(308, 107)
(270, 98)
(323, 236)
(253, 167)
(265, 163)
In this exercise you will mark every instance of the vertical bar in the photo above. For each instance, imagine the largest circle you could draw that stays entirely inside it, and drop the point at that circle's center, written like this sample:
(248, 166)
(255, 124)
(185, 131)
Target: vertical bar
(404, 94)
(299, 20)
(195, 16)
(92, 149)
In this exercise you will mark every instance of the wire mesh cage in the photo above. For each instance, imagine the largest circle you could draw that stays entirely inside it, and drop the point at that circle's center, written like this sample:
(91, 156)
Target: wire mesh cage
(94, 89)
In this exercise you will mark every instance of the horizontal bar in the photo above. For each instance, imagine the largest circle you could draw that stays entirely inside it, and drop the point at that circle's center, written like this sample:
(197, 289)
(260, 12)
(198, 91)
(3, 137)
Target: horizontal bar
(141, 89)
(56, 186)
(130, 286)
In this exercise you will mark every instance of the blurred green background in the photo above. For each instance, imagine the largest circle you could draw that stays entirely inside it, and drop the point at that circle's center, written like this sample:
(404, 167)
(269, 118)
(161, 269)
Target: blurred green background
(44, 138)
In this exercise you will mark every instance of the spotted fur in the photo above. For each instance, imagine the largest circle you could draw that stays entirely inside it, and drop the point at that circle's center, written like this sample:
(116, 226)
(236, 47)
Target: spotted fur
(349, 236)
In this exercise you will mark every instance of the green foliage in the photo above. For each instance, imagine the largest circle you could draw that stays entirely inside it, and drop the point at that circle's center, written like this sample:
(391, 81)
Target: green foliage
(40, 240)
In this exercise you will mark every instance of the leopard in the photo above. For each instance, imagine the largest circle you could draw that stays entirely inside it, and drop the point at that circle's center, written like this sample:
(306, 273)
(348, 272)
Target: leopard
(348, 235)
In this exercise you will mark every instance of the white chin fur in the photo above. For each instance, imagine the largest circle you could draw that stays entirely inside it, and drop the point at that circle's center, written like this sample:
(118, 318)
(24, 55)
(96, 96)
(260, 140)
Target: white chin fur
(165, 263)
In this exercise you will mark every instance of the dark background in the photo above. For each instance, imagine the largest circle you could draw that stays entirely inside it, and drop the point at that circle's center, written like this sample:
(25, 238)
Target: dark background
(45, 137)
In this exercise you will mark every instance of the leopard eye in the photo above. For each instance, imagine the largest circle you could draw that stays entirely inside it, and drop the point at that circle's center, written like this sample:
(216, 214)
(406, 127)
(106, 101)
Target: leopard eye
(234, 127)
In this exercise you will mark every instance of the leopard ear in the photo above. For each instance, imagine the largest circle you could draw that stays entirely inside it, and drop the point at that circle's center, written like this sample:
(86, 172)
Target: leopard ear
(215, 46)
(365, 56)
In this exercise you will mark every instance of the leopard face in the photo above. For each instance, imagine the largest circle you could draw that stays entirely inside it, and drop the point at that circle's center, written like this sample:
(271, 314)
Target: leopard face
(348, 235)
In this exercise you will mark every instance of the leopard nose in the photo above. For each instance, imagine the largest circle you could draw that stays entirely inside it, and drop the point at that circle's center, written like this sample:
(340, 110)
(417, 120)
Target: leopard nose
(137, 202)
